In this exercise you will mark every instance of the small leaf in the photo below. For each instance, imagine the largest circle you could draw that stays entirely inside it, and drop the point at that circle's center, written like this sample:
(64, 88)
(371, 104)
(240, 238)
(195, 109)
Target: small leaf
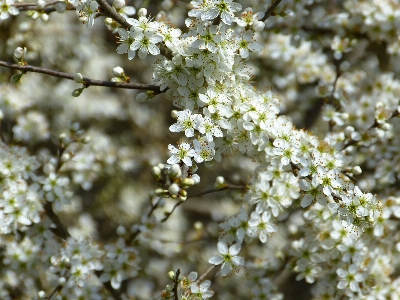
(77, 92)
(16, 78)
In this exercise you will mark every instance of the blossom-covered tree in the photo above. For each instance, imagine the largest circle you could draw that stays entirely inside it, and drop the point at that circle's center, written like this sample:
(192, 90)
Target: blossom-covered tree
(245, 141)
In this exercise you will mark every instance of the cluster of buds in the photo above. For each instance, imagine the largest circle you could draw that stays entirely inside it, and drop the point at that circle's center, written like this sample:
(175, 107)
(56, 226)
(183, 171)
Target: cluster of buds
(19, 54)
(171, 182)
(78, 77)
(120, 76)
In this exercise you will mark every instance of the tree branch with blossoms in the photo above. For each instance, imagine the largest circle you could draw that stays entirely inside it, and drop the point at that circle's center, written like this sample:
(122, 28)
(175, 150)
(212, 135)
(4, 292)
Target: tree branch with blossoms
(112, 13)
(85, 81)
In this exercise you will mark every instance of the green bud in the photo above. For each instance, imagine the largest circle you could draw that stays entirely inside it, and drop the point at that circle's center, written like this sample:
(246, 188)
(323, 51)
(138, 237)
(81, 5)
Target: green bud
(182, 195)
(160, 192)
(187, 182)
(156, 172)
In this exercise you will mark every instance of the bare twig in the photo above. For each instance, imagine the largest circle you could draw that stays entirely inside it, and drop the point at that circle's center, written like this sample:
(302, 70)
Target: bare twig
(204, 276)
(226, 187)
(86, 81)
(129, 240)
(271, 9)
(56, 290)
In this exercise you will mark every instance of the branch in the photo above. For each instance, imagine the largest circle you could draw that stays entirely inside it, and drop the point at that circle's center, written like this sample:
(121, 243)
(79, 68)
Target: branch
(112, 13)
(204, 276)
(271, 9)
(227, 186)
(60, 230)
(86, 81)
(176, 284)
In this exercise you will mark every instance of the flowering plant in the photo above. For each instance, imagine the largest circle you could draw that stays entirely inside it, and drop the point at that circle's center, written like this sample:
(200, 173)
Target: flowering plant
(80, 220)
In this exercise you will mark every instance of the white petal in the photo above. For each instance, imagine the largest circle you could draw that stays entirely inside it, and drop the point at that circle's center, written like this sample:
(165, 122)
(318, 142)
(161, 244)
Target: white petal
(238, 260)
(307, 200)
(234, 249)
(222, 248)
(216, 260)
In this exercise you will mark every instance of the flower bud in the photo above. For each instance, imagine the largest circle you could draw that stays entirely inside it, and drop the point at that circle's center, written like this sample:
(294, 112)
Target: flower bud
(63, 139)
(171, 276)
(355, 136)
(121, 230)
(196, 178)
(174, 190)
(142, 12)
(219, 182)
(65, 157)
(41, 4)
(198, 225)
(159, 192)
(182, 195)
(386, 126)
(357, 170)
(188, 182)
(44, 17)
(141, 97)
(258, 26)
(61, 281)
(167, 4)
(19, 52)
(349, 130)
(156, 172)
(175, 171)
(78, 77)
(42, 294)
(118, 4)
(86, 139)
(108, 21)
(174, 114)
(289, 14)
(118, 71)
(60, 7)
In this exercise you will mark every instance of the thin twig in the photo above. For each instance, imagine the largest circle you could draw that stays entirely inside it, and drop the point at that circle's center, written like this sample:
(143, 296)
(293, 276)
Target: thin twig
(131, 238)
(86, 81)
(34, 4)
(204, 276)
(226, 187)
(271, 10)
(56, 290)
(112, 13)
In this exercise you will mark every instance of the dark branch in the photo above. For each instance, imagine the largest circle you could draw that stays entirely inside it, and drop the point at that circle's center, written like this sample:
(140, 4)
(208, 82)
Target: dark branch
(112, 13)
(271, 10)
(176, 284)
(86, 81)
